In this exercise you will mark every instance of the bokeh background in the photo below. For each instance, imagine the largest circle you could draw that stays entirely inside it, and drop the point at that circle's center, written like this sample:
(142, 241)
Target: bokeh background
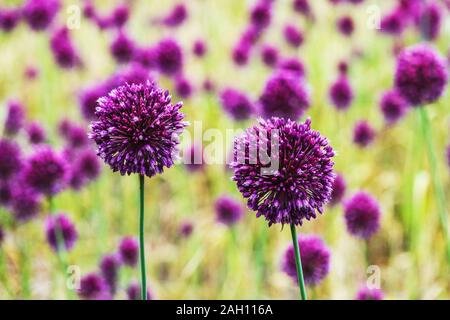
(243, 261)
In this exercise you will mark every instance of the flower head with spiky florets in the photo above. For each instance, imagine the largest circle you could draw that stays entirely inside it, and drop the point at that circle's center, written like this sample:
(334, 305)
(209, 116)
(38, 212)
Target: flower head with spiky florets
(284, 169)
(137, 129)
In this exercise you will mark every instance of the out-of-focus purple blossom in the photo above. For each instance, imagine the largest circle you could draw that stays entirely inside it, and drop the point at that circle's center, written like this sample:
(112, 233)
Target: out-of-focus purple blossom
(128, 251)
(60, 232)
(64, 126)
(241, 53)
(36, 133)
(183, 87)
(393, 23)
(6, 193)
(186, 229)
(250, 36)
(339, 188)
(345, 25)
(31, 72)
(363, 133)
(315, 257)
(236, 104)
(193, 158)
(120, 15)
(177, 15)
(89, 10)
(145, 125)
(293, 65)
(109, 268)
(199, 48)
(77, 136)
(343, 68)
(365, 293)
(284, 96)
(362, 215)
(393, 106)
(276, 193)
(134, 292)
(122, 48)
(63, 49)
(293, 36)
(87, 164)
(421, 75)
(430, 21)
(208, 85)
(9, 18)
(228, 210)
(88, 100)
(93, 287)
(341, 93)
(302, 7)
(169, 57)
(25, 203)
(260, 14)
(15, 118)
(146, 57)
(39, 14)
(45, 171)
(269, 55)
(10, 159)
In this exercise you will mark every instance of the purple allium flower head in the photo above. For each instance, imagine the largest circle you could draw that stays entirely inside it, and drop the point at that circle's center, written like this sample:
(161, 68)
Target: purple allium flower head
(10, 159)
(199, 48)
(169, 57)
(186, 229)
(315, 258)
(122, 48)
(343, 68)
(421, 75)
(36, 133)
(9, 18)
(284, 96)
(339, 188)
(109, 268)
(302, 7)
(60, 225)
(6, 193)
(77, 136)
(64, 127)
(363, 133)
(87, 164)
(393, 106)
(429, 22)
(236, 104)
(63, 49)
(31, 72)
(46, 171)
(228, 210)
(92, 287)
(369, 294)
(183, 87)
(89, 10)
(208, 85)
(269, 55)
(193, 158)
(176, 16)
(137, 129)
(134, 292)
(120, 15)
(88, 100)
(241, 53)
(362, 215)
(346, 26)
(341, 93)
(25, 203)
(393, 23)
(293, 35)
(15, 118)
(146, 57)
(303, 179)
(260, 15)
(128, 250)
(250, 36)
(293, 65)
(39, 14)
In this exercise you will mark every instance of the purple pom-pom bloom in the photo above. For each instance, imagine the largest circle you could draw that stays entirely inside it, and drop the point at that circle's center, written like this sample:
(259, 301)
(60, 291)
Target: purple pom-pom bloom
(63, 49)
(293, 65)
(183, 87)
(236, 104)
(315, 257)
(176, 16)
(345, 25)
(6, 193)
(302, 7)
(46, 172)
(120, 15)
(134, 292)
(146, 57)
(76, 136)
(109, 267)
(393, 23)
(39, 14)
(36, 133)
(362, 215)
(60, 225)
(92, 287)
(122, 48)
(10, 159)
(284, 96)
(341, 93)
(186, 229)
(15, 118)
(88, 164)
(137, 129)
(293, 35)
(363, 133)
(25, 204)
(88, 100)
(393, 106)
(9, 18)
(228, 210)
(369, 294)
(430, 21)
(269, 55)
(302, 181)
(199, 48)
(421, 75)
(169, 57)
(339, 188)
(128, 250)
(241, 53)
(260, 15)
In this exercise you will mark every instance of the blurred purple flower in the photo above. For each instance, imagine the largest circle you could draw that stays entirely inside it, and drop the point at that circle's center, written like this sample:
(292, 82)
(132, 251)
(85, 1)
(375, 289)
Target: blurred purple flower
(10, 159)
(60, 225)
(269, 55)
(6, 193)
(241, 53)
(293, 65)
(169, 57)
(93, 287)
(393, 106)
(128, 251)
(176, 16)
(39, 14)
(88, 100)
(293, 35)
(363, 133)
(63, 49)
(362, 215)
(339, 188)
(134, 292)
(9, 18)
(15, 118)
(186, 229)
(109, 267)
(236, 104)
(36, 133)
(430, 21)
(183, 87)
(199, 48)
(228, 210)
(122, 48)
(345, 25)
(341, 93)
(25, 203)
(260, 14)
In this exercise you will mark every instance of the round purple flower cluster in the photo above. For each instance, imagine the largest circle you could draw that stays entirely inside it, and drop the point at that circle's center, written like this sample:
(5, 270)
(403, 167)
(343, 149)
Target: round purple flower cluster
(228, 210)
(393, 106)
(296, 177)
(60, 227)
(363, 133)
(10, 159)
(362, 215)
(39, 14)
(341, 93)
(236, 104)
(63, 49)
(339, 188)
(128, 251)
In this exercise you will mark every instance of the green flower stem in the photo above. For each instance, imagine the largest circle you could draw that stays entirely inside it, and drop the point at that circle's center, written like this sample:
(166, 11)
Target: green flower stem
(298, 264)
(437, 183)
(141, 238)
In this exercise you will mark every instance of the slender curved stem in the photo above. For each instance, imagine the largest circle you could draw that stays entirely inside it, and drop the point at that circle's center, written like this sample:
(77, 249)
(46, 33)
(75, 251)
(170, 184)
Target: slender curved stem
(437, 183)
(141, 238)
(298, 264)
